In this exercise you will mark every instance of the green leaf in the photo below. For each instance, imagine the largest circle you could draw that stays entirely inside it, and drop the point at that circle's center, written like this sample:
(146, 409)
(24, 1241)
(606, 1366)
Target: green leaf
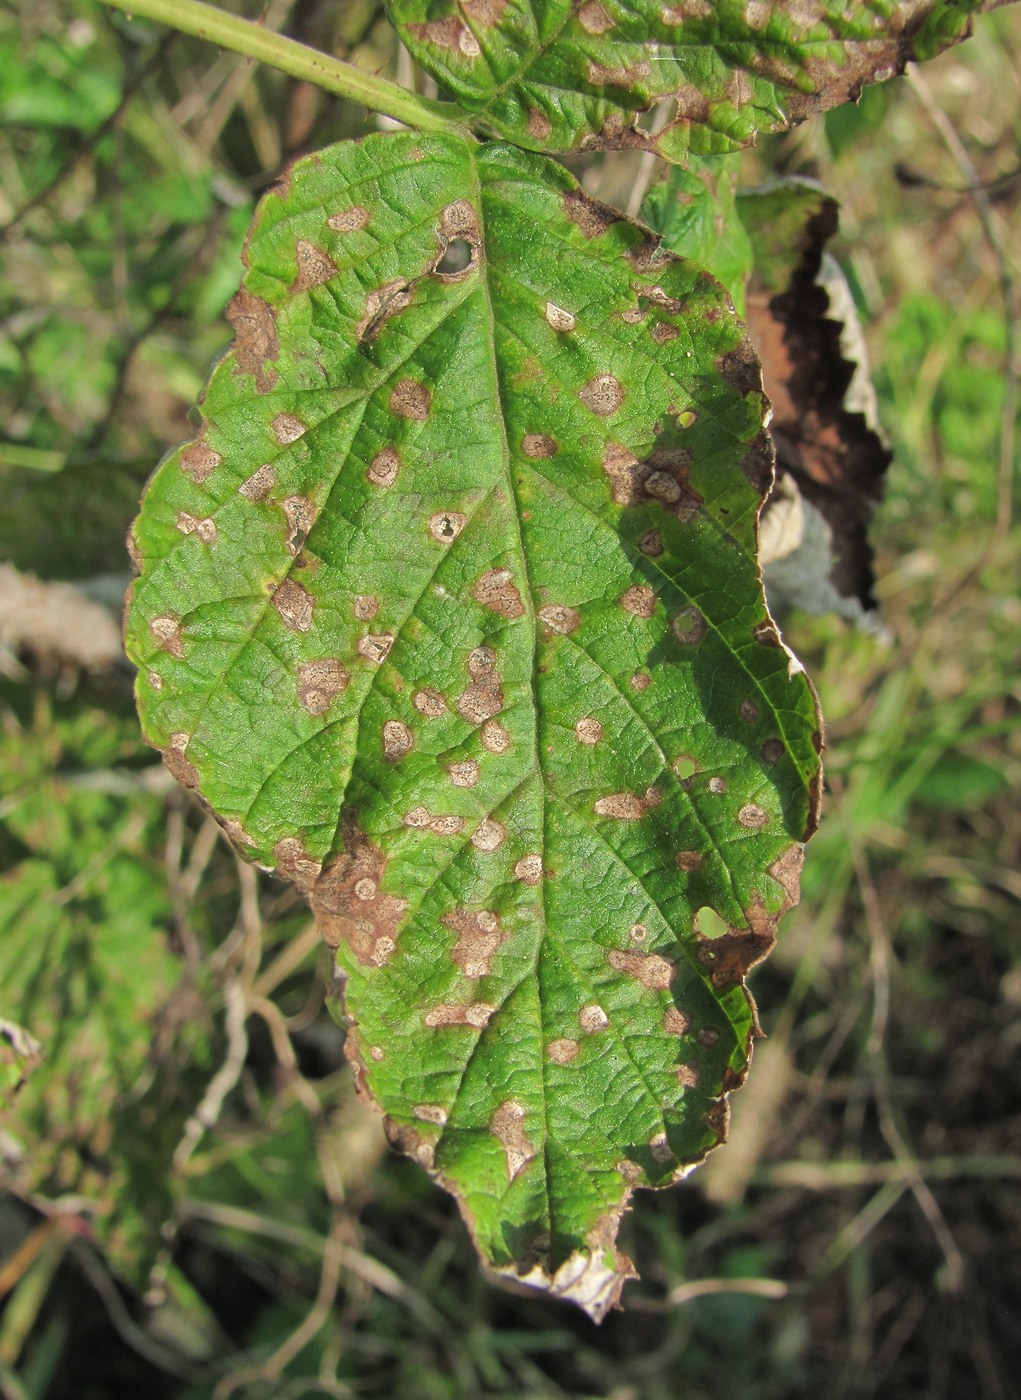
(451, 612)
(694, 209)
(559, 75)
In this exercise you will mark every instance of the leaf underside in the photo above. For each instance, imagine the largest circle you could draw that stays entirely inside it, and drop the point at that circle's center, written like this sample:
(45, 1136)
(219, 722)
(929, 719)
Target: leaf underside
(451, 613)
(561, 75)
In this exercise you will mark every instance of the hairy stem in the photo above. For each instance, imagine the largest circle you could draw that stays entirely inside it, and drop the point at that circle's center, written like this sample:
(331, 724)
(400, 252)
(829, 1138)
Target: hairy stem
(252, 40)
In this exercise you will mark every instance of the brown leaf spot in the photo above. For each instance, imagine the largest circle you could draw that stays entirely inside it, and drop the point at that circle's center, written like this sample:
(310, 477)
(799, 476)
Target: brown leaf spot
(410, 1141)
(660, 1148)
(766, 635)
(300, 515)
(380, 305)
(562, 1052)
(365, 607)
(430, 1113)
(676, 1021)
(484, 697)
(319, 683)
(256, 339)
(529, 869)
(627, 806)
(749, 711)
(588, 730)
(367, 921)
(593, 1018)
(191, 525)
(602, 395)
(449, 33)
(429, 703)
(287, 428)
(385, 465)
(621, 76)
(495, 738)
(497, 591)
(447, 825)
(729, 957)
(539, 125)
(708, 1037)
(593, 18)
(662, 488)
(375, 647)
(398, 740)
(590, 216)
(294, 605)
(786, 870)
(182, 767)
(648, 968)
(477, 1014)
(199, 461)
(349, 220)
(687, 1076)
(464, 775)
(662, 333)
(410, 400)
(641, 680)
(377, 1053)
(295, 864)
(638, 933)
(689, 626)
(651, 544)
(538, 445)
(626, 474)
(772, 751)
(489, 835)
(418, 817)
(478, 937)
(558, 318)
(166, 633)
(447, 525)
(752, 816)
(689, 861)
(639, 600)
(155, 680)
(717, 786)
(259, 484)
(559, 619)
(507, 1126)
(481, 663)
(314, 267)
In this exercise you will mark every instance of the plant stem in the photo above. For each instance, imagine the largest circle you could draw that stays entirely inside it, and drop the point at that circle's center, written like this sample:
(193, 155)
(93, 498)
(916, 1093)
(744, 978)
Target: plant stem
(252, 40)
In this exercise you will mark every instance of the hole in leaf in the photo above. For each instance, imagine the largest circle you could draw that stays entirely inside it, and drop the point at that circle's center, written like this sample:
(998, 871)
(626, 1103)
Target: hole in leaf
(709, 923)
(685, 767)
(456, 257)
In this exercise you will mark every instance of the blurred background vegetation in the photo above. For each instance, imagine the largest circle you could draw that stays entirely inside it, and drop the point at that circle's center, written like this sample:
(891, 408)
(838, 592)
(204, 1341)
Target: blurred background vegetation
(194, 1205)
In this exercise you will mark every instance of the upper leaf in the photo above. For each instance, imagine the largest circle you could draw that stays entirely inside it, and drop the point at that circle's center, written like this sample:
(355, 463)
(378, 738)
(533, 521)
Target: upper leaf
(558, 75)
(451, 612)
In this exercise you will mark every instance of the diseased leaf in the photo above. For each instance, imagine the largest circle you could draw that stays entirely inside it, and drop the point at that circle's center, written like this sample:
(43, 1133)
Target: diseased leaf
(694, 210)
(802, 320)
(451, 612)
(561, 75)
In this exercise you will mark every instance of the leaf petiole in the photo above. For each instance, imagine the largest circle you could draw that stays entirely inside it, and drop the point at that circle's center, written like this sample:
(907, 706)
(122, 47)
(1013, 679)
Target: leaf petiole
(245, 37)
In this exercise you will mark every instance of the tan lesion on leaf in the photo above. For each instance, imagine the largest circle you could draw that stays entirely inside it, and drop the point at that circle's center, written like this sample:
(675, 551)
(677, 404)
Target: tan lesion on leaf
(410, 399)
(589, 215)
(602, 395)
(558, 319)
(650, 969)
(689, 861)
(300, 514)
(489, 835)
(479, 935)
(651, 543)
(166, 633)
(687, 1076)
(202, 528)
(539, 126)
(628, 806)
(447, 525)
(562, 1052)
(349, 220)
(429, 703)
(507, 1125)
(464, 774)
(689, 626)
(365, 606)
(559, 618)
(350, 904)
(319, 684)
(294, 604)
(288, 429)
(256, 339)
(588, 730)
(398, 740)
(529, 869)
(593, 1018)
(178, 763)
(752, 816)
(448, 33)
(314, 266)
(676, 1021)
(375, 647)
(495, 739)
(639, 600)
(538, 446)
(384, 467)
(593, 18)
(431, 1113)
(497, 591)
(484, 696)
(259, 484)
(295, 863)
(380, 305)
(476, 1014)
(198, 460)
(459, 223)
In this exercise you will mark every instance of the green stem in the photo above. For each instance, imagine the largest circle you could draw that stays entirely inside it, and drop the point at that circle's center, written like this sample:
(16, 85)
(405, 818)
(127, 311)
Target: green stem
(252, 40)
